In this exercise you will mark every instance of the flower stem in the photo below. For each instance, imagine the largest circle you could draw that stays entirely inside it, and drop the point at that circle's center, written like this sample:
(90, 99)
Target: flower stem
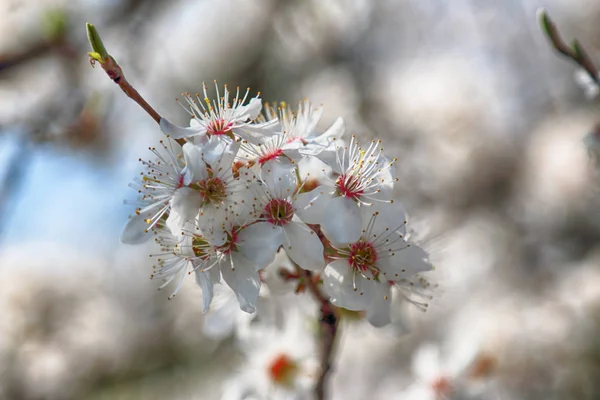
(328, 327)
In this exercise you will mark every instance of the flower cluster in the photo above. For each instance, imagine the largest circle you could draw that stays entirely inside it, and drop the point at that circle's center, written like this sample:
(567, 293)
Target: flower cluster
(227, 193)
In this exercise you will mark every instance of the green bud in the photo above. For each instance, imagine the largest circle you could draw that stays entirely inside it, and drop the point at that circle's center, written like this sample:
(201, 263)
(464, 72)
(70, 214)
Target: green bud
(100, 54)
(545, 22)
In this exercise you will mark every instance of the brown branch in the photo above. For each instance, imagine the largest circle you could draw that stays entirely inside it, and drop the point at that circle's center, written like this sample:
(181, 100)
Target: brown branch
(328, 327)
(114, 72)
(575, 52)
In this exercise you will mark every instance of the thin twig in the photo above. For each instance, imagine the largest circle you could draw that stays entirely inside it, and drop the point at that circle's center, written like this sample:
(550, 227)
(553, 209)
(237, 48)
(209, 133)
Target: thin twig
(114, 72)
(328, 326)
(575, 52)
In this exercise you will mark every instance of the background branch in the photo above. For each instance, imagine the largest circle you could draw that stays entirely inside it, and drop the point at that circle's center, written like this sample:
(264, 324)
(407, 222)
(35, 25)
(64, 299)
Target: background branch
(328, 328)
(575, 52)
(114, 72)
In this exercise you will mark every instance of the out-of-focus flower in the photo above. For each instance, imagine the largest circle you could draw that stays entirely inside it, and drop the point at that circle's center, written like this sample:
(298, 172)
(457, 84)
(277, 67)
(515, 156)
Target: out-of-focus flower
(438, 377)
(589, 86)
(280, 363)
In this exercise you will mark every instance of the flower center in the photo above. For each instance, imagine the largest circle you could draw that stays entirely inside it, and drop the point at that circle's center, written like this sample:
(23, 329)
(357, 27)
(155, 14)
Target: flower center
(219, 127)
(363, 256)
(349, 186)
(213, 190)
(282, 369)
(200, 247)
(269, 155)
(279, 212)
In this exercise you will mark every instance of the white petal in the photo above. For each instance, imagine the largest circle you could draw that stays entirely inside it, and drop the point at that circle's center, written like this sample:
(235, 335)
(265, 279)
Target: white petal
(336, 130)
(426, 362)
(251, 110)
(406, 261)
(257, 133)
(303, 246)
(134, 231)
(347, 289)
(321, 146)
(220, 321)
(279, 177)
(211, 221)
(390, 217)
(177, 132)
(259, 242)
(220, 151)
(342, 221)
(292, 153)
(242, 277)
(307, 118)
(203, 280)
(418, 391)
(195, 167)
(184, 246)
(310, 206)
(378, 312)
(334, 158)
(184, 207)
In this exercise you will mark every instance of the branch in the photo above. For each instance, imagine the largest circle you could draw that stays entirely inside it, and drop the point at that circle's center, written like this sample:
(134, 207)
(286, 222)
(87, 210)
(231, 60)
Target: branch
(114, 72)
(575, 52)
(328, 324)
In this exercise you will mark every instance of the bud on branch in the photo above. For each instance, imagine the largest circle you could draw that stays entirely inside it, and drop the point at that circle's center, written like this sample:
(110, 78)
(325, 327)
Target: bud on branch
(575, 52)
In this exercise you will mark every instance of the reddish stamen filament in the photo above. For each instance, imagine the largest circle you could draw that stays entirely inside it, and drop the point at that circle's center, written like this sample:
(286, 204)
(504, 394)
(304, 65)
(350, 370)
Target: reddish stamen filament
(349, 186)
(363, 256)
(270, 155)
(219, 127)
(231, 243)
(279, 212)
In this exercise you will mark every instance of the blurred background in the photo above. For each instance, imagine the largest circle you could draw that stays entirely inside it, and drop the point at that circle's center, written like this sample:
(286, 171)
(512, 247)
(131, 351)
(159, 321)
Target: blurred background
(485, 120)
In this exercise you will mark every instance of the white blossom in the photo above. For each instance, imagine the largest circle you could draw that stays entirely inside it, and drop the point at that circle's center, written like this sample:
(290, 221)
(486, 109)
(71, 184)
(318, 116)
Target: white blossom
(361, 271)
(221, 117)
(296, 137)
(156, 187)
(224, 204)
(211, 191)
(280, 363)
(281, 208)
(364, 177)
